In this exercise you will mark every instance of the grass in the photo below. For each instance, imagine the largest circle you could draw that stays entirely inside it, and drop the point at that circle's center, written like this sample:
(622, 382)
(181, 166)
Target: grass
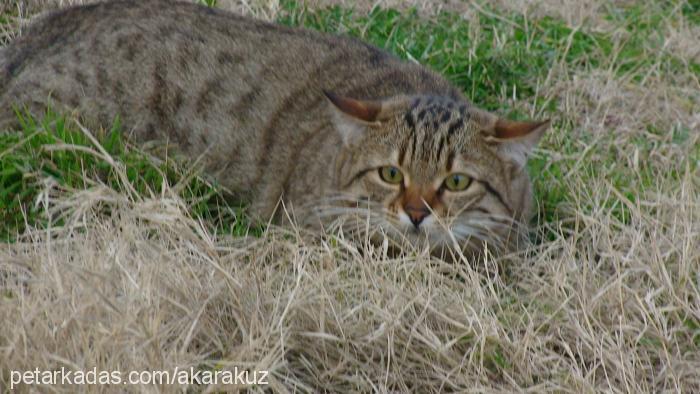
(606, 299)
(57, 150)
(503, 62)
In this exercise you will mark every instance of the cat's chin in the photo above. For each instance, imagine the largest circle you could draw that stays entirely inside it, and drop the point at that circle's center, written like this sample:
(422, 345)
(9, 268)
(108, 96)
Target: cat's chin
(403, 239)
(438, 242)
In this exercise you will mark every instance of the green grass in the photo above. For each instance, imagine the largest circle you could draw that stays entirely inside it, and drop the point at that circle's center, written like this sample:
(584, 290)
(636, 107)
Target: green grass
(606, 300)
(208, 3)
(503, 61)
(55, 148)
(500, 56)
(491, 60)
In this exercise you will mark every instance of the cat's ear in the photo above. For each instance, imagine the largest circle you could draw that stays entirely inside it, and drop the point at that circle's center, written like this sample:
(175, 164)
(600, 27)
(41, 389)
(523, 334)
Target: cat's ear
(516, 140)
(352, 117)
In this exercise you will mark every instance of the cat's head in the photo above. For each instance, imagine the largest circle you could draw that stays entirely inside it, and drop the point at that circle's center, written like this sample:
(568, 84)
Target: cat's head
(426, 168)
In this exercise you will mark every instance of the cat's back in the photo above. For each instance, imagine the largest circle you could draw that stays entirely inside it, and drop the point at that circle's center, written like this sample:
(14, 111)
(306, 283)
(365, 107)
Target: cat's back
(247, 93)
(123, 39)
(176, 59)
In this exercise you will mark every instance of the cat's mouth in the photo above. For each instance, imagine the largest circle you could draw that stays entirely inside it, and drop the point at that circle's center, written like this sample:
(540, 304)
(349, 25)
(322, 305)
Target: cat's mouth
(432, 232)
(442, 236)
(445, 238)
(440, 241)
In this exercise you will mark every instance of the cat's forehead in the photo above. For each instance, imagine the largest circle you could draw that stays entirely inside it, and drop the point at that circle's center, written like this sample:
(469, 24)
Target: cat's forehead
(434, 132)
(449, 118)
(432, 107)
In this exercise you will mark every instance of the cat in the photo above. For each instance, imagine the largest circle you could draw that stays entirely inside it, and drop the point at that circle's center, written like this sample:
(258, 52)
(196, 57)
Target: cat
(327, 130)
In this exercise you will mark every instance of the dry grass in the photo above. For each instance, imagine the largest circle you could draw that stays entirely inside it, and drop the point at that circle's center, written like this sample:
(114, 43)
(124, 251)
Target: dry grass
(607, 303)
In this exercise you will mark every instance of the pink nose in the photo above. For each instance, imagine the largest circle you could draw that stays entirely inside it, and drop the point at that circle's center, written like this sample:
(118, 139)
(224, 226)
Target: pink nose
(416, 214)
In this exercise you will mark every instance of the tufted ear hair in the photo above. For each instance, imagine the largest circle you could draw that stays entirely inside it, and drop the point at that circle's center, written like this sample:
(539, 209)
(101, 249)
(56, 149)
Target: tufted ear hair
(516, 140)
(512, 140)
(352, 117)
(365, 111)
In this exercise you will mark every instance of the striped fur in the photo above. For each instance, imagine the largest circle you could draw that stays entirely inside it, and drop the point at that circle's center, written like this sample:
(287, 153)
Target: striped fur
(247, 97)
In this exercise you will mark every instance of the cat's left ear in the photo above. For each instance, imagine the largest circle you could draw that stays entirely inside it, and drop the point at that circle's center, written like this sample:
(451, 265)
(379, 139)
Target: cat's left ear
(352, 117)
(516, 140)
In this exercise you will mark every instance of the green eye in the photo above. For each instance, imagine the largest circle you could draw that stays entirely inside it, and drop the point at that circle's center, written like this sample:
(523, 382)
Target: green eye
(390, 174)
(457, 182)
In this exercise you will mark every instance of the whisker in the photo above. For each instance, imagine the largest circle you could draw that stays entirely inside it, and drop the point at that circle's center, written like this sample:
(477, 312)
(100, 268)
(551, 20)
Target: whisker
(347, 213)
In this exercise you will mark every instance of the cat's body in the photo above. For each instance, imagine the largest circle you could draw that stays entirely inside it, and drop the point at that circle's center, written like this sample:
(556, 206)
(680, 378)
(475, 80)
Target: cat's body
(247, 97)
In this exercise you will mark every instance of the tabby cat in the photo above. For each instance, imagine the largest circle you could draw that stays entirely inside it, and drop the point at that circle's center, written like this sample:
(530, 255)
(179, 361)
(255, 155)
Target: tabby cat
(327, 130)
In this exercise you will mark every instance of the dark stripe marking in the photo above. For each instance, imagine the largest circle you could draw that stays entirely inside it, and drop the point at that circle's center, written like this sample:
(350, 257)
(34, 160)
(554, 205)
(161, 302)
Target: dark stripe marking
(450, 161)
(411, 123)
(414, 139)
(495, 192)
(441, 147)
(455, 126)
(358, 176)
(292, 99)
(480, 209)
(445, 117)
(306, 143)
(402, 153)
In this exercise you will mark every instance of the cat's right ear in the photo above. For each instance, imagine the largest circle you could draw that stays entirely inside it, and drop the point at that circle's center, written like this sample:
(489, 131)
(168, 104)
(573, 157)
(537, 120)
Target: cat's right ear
(516, 140)
(352, 117)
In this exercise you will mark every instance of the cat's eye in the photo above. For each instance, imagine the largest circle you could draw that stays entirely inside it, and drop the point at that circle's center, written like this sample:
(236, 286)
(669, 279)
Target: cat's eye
(457, 182)
(391, 174)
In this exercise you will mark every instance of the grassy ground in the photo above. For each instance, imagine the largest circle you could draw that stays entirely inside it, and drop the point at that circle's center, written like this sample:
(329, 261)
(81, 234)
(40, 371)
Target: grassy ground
(119, 261)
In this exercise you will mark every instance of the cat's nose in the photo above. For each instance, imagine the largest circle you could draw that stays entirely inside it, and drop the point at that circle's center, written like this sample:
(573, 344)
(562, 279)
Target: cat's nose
(416, 214)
